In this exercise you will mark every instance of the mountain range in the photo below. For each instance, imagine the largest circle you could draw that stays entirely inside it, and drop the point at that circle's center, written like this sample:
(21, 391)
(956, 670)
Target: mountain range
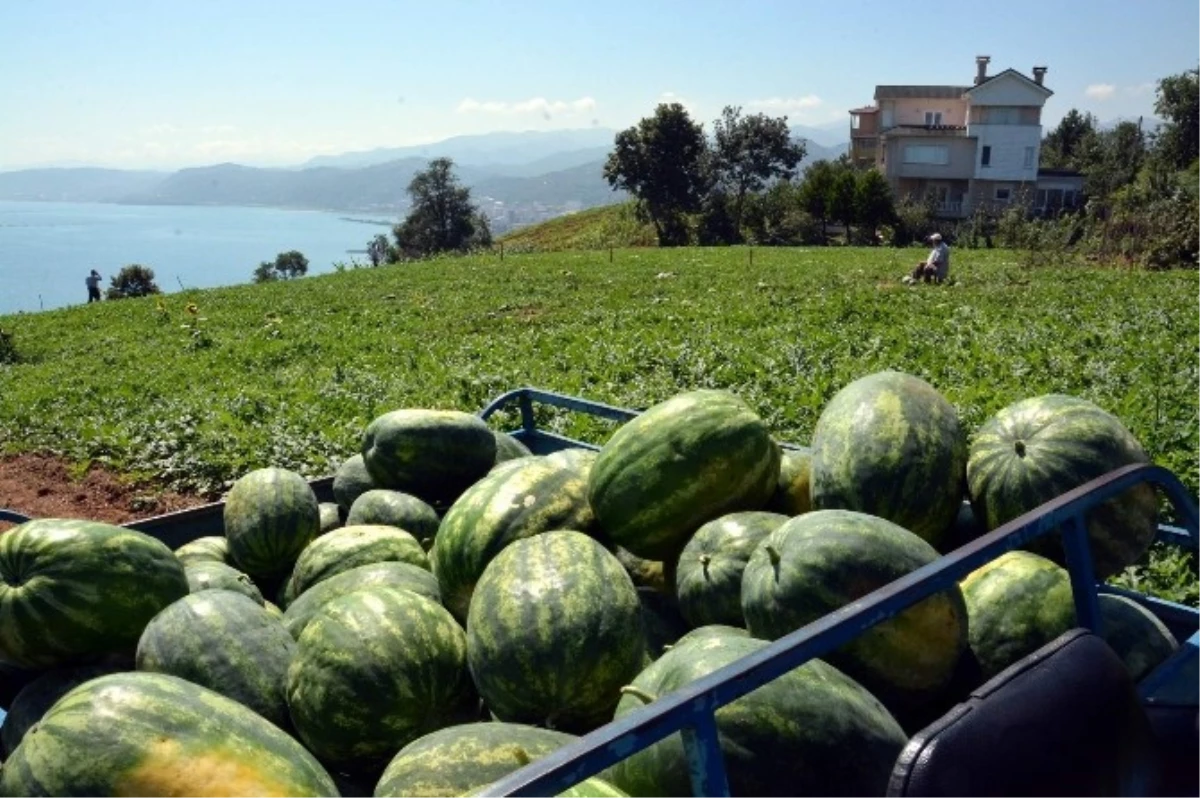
(543, 173)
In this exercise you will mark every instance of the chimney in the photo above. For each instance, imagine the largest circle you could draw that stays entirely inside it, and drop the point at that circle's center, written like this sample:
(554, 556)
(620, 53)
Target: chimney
(1038, 74)
(981, 62)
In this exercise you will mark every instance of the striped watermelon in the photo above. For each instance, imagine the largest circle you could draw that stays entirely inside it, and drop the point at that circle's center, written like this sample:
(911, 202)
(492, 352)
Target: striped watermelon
(1141, 640)
(554, 631)
(35, 699)
(890, 445)
(373, 671)
(206, 575)
(793, 490)
(683, 462)
(509, 448)
(708, 577)
(524, 499)
(205, 549)
(712, 630)
(1037, 449)
(1016, 604)
(653, 574)
(226, 642)
(350, 547)
(273, 611)
(72, 590)
(662, 621)
(381, 574)
(812, 731)
(330, 515)
(458, 760)
(432, 454)
(821, 561)
(579, 459)
(381, 507)
(153, 734)
(350, 481)
(270, 516)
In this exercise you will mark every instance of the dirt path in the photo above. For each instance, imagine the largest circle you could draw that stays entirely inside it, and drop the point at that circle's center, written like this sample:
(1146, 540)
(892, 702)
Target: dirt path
(42, 486)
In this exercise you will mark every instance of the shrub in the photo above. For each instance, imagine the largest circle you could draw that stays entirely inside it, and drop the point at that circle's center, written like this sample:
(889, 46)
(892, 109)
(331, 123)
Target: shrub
(133, 281)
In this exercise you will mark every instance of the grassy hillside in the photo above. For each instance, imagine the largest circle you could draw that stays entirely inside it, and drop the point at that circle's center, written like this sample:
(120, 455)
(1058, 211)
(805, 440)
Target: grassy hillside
(595, 228)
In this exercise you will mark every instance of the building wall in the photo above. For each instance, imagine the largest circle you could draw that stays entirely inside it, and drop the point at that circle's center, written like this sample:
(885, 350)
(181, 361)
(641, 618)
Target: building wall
(960, 153)
(1008, 143)
(1008, 90)
(911, 111)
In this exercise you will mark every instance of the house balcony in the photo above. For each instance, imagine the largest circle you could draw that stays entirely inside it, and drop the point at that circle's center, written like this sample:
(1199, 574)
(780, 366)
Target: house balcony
(938, 131)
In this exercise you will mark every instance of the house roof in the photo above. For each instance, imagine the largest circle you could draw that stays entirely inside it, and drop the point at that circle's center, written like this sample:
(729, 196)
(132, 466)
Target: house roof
(1010, 71)
(920, 92)
(866, 109)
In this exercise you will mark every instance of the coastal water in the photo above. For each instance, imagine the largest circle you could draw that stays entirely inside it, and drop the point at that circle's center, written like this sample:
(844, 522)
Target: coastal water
(48, 248)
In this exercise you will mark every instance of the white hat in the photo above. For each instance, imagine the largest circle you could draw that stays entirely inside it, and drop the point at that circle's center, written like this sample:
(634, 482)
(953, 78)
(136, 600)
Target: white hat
(936, 237)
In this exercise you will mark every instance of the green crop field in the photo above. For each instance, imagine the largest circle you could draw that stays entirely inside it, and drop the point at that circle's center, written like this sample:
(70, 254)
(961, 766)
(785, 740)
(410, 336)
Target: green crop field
(289, 374)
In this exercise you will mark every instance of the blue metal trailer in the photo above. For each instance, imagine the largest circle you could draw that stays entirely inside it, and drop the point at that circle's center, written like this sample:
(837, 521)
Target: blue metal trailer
(1172, 688)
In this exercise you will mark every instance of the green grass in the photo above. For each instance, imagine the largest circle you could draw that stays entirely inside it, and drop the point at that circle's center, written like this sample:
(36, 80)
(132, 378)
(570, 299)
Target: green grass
(595, 228)
(289, 374)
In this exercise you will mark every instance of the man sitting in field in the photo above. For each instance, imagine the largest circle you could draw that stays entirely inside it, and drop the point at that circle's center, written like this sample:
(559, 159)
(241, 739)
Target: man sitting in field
(936, 267)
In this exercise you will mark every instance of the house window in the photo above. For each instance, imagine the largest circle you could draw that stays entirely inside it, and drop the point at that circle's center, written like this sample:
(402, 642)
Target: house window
(933, 118)
(986, 157)
(1029, 157)
(855, 121)
(1002, 194)
(938, 154)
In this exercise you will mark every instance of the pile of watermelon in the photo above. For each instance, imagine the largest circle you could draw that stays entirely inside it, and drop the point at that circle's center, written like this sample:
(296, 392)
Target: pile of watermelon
(466, 607)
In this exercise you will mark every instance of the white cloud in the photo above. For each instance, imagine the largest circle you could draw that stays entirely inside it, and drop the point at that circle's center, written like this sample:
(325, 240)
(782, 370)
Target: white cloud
(786, 104)
(671, 97)
(211, 130)
(535, 105)
(1100, 91)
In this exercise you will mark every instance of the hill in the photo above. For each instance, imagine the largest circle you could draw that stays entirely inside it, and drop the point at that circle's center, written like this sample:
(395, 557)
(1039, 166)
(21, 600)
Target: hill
(597, 228)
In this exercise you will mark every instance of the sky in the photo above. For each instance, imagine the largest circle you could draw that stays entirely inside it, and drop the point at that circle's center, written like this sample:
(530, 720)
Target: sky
(163, 84)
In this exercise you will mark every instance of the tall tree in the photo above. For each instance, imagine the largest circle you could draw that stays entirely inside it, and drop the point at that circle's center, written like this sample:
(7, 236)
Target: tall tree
(1177, 103)
(815, 192)
(1063, 147)
(841, 198)
(442, 218)
(750, 150)
(662, 162)
(873, 204)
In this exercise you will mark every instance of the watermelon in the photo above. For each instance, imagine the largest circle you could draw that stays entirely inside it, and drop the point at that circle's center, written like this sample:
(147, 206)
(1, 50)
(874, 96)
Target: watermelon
(592, 788)
(153, 734)
(381, 507)
(509, 448)
(578, 459)
(708, 577)
(553, 632)
(270, 516)
(350, 547)
(646, 573)
(821, 561)
(964, 529)
(382, 574)
(432, 454)
(1141, 640)
(812, 731)
(458, 760)
(890, 445)
(72, 590)
(13, 679)
(36, 698)
(273, 610)
(206, 575)
(685, 461)
(711, 630)
(662, 621)
(350, 481)
(330, 515)
(205, 549)
(1037, 449)
(519, 501)
(793, 489)
(373, 671)
(226, 642)
(1016, 604)
(516, 462)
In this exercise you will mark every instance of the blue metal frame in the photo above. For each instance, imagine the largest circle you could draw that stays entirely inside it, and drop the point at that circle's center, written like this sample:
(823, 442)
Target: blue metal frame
(691, 709)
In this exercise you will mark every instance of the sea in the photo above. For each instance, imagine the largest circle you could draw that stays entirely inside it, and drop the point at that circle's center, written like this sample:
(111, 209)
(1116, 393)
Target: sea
(48, 248)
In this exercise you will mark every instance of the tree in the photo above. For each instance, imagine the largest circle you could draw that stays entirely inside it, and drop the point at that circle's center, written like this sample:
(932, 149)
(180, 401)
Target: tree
(873, 205)
(815, 192)
(133, 280)
(841, 198)
(662, 162)
(287, 265)
(1179, 139)
(1063, 146)
(749, 151)
(377, 249)
(442, 218)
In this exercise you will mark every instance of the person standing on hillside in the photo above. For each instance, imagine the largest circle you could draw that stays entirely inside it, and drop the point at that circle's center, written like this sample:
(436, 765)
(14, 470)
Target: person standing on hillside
(93, 286)
(936, 267)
